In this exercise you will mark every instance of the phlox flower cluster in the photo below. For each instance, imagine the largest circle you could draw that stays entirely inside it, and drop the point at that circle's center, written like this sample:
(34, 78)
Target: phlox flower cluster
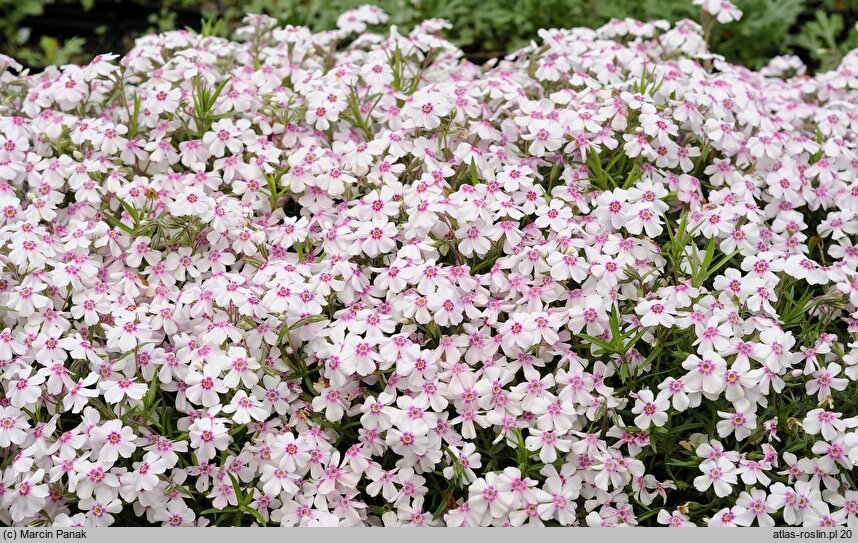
(351, 278)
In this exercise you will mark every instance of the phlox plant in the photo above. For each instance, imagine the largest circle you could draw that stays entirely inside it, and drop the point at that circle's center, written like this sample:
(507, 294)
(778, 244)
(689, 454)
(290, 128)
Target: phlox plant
(348, 278)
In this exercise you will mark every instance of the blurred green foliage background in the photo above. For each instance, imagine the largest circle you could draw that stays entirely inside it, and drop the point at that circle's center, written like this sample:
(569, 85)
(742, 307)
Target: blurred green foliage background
(42, 32)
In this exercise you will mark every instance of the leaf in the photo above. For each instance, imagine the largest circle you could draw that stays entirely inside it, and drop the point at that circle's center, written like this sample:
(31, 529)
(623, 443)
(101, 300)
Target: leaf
(256, 514)
(113, 221)
(216, 510)
(604, 345)
(823, 39)
(634, 340)
(150, 394)
(237, 489)
(305, 320)
(130, 209)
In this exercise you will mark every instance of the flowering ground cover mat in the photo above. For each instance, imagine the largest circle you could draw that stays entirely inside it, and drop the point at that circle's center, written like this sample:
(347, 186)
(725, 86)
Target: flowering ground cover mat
(349, 278)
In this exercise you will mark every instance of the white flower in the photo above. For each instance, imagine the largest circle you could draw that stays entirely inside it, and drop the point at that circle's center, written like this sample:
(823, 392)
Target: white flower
(245, 408)
(113, 440)
(12, 426)
(719, 474)
(28, 496)
(650, 410)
